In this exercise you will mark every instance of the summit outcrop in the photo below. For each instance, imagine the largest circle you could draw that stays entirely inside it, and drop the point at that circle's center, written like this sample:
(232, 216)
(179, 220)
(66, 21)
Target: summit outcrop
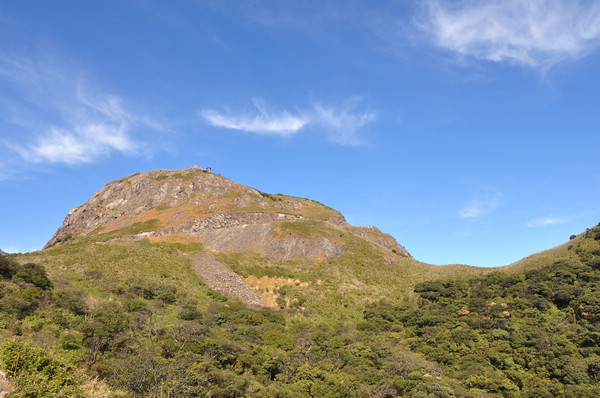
(221, 214)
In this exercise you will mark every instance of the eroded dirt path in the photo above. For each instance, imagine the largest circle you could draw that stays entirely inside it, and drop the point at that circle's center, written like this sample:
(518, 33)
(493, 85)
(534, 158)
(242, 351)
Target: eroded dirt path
(222, 280)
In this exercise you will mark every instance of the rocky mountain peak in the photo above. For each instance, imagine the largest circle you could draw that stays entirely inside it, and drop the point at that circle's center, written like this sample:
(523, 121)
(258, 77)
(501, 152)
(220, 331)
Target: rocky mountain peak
(221, 214)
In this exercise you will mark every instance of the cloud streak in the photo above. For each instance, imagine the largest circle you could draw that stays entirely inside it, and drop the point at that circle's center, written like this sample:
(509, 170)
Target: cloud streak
(263, 122)
(340, 123)
(546, 221)
(537, 33)
(478, 208)
(58, 119)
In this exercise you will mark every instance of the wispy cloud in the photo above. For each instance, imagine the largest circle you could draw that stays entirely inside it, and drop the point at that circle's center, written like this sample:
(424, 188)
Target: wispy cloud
(547, 221)
(478, 208)
(59, 118)
(97, 129)
(263, 122)
(537, 33)
(340, 123)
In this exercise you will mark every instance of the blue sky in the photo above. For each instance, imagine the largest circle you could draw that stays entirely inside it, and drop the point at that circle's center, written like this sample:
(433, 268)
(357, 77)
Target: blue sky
(469, 130)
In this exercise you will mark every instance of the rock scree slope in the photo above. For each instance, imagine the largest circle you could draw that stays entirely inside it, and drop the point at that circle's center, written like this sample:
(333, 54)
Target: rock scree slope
(219, 278)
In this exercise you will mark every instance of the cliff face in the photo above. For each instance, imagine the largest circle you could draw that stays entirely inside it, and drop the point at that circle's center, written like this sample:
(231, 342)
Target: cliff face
(221, 214)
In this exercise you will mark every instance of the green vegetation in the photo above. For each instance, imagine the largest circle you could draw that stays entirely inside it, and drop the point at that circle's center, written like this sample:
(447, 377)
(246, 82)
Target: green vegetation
(133, 229)
(286, 204)
(123, 179)
(534, 333)
(185, 176)
(36, 373)
(189, 174)
(231, 195)
(246, 264)
(309, 229)
(162, 207)
(132, 319)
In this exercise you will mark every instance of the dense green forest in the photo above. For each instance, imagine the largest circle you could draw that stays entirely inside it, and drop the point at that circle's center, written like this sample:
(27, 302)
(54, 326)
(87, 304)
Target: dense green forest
(519, 333)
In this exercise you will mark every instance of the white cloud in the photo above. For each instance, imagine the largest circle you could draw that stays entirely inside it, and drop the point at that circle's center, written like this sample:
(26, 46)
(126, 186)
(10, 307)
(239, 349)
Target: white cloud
(341, 124)
(538, 33)
(82, 144)
(478, 208)
(546, 221)
(59, 119)
(265, 122)
(97, 128)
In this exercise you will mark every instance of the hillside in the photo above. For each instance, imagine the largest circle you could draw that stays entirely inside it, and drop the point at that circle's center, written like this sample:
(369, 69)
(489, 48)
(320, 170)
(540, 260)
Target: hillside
(270, 240)
(184, 283)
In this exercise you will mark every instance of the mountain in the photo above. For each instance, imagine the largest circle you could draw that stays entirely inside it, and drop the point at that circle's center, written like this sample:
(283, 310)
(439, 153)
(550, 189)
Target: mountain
(183, 283)
(221, 214)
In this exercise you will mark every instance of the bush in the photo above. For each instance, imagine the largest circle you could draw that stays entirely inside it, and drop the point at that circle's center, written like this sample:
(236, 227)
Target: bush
(431, 290)
(72, 300)
(15, 304)
(434, 389)
(7, 266)
(36, 373)
(189, 312)
(32, 273)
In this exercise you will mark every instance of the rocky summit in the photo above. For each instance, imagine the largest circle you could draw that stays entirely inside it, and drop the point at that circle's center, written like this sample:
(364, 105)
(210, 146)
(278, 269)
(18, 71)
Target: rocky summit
(222, 215)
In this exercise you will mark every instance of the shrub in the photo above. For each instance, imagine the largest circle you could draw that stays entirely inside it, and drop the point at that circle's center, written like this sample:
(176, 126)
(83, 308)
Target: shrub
(431, 290)
(72, 300)
(36, 373)
(7, 266)
(432, 389)
(189, 312)
(32, 273)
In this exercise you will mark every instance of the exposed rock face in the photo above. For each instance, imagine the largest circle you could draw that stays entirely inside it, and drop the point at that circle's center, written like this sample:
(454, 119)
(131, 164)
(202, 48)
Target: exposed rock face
(121, 201)
(375, 235)
(224, 215)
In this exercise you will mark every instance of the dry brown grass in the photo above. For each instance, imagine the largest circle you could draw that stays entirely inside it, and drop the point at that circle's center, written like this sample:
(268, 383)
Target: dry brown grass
(177, 238)
(267, 287)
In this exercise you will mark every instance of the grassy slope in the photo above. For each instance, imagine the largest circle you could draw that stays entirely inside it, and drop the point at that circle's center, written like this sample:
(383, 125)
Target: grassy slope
(99, 267)
(358, 277)
(560, 252)
(339, 292)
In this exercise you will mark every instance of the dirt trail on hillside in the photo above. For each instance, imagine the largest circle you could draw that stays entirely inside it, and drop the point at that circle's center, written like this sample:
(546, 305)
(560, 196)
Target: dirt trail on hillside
(220, 279)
